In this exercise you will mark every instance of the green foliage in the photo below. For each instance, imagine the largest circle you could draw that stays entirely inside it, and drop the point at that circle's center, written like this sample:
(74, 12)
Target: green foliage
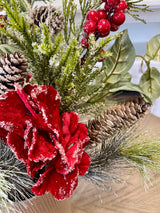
(150, 83)
(17, 28)
(115, 68)
(135, 6)
(56, 60)
(153, 49)
(69, 12)
(14, 181)
(121, 60)
(142, 153)
(28, 4)
(5, 48)
(128, 86)
(150, 80)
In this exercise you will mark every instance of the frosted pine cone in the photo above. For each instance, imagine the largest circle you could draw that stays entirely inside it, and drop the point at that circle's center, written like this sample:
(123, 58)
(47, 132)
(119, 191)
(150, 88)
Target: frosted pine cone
(49, 15)
(13, 69)
(115, 118)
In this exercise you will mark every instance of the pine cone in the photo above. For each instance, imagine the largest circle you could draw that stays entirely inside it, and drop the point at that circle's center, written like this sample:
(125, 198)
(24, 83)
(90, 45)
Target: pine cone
(49, 15)
(13, 69)
(118, 117)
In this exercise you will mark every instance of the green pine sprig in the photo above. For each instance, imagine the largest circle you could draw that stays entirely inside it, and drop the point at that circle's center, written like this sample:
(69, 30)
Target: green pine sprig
(135, 6)
(69, 12)
(143, 154)
(14, 181)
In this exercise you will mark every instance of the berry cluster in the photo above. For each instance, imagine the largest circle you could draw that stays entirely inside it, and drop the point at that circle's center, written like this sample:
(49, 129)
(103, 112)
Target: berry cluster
(103, 21)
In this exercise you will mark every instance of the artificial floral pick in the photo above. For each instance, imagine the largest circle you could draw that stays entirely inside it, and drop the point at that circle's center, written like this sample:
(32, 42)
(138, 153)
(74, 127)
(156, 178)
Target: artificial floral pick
(52, 152)
(39, 119)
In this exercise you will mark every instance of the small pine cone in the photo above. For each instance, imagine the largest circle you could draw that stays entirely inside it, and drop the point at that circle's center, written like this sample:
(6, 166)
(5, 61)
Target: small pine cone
(49, 15)
(116, 118)
(13, 69)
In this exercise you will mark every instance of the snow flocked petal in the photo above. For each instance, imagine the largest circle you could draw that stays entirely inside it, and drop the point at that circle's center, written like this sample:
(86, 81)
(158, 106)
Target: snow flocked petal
(51, 145)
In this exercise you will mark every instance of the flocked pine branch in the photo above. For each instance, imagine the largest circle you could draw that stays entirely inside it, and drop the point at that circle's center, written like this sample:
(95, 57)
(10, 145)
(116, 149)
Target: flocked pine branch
(69, 11)
(143, 154)
(106, 165)
(135, 6)
(17, 28)
(14, 181)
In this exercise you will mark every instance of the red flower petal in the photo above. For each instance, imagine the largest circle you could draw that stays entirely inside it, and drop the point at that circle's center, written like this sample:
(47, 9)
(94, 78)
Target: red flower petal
(82, 130)
(72, 154)
(33, 167)
(84, 164)
(12, 127)
(12, 109)
(28, 133)
(24, 98)
(47, 100)
(3, 135)
(70, 123)
(41, 150)
(17, 144)
(60, 166)
(60, 186)
(73, 122)
(64, 167)
(65, 127)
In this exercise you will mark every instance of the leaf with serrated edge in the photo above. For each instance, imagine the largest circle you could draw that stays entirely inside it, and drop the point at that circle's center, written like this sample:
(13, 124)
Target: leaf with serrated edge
(123, 57)
(153, 48)
(150, 83)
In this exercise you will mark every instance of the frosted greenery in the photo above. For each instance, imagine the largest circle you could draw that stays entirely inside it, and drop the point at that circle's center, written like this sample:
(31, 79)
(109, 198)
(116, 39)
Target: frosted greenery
(84, 86)
(56, 60)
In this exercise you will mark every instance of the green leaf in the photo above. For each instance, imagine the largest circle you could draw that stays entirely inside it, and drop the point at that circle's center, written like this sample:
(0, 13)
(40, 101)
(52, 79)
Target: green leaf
(122, 59)
(153, 48)
(150, 83)
(128, 86)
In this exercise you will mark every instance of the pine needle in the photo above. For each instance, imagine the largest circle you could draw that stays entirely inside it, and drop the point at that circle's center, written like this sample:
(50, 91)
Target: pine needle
(14, 181)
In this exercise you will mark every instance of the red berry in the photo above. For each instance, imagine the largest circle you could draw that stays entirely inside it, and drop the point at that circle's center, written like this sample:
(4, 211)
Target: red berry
(3, 17)
(84, 42)
(1, 25)
(104, 0)
(92, 15)
(28, 78)
(122, 6)
(103, 26)
(107, 7)
(113, 3)
(82, 60)
(102, 51)
(90, 27)
(102, 35)
(118, 18)
(101, 14)
(114, 27)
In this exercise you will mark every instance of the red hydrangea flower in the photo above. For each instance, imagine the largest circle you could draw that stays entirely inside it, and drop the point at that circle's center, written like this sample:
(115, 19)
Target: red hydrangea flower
(31, 124)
